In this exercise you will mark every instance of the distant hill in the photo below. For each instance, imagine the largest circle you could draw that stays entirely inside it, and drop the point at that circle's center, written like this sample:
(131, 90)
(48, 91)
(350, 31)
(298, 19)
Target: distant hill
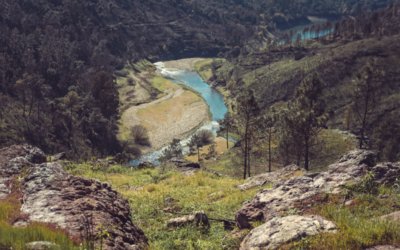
(58, 57)
(373, 39)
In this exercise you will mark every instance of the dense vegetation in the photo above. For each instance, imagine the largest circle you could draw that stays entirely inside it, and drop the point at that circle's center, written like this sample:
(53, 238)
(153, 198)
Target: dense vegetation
(57, 58)
(358, 81)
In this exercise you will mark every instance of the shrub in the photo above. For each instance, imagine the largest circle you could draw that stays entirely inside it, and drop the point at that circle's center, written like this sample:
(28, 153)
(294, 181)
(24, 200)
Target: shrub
(140, 135)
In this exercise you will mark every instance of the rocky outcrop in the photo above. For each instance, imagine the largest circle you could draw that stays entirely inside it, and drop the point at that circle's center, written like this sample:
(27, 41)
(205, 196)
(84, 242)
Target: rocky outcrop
(270, 178)
(50, 195)
(281, 230)
(295, 192)
(292, 193)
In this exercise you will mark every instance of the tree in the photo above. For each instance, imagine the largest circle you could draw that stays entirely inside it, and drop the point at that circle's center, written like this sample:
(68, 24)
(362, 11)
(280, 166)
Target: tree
(268, 123)
(247, 111)
(227, 123)
(200, 139)
(305, 117)
(365, 95)
(172, 151)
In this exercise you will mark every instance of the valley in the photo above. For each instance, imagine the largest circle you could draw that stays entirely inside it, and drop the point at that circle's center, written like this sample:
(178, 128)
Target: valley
(204, 125)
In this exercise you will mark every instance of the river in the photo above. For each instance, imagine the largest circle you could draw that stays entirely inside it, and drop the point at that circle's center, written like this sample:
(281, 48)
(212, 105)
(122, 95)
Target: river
(212, 97)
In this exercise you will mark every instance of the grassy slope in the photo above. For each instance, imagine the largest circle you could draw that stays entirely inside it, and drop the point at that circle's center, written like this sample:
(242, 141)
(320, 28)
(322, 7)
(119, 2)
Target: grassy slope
(337, 65)
(204, 67)
(151, 191)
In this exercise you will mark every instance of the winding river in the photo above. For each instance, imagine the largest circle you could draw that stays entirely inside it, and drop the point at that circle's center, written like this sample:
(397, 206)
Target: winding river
(212, 97)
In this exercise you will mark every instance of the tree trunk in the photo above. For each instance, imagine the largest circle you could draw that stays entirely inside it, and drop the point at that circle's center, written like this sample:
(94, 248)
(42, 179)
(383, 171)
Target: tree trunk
(227, 137)
(306, 154)
(269, 151)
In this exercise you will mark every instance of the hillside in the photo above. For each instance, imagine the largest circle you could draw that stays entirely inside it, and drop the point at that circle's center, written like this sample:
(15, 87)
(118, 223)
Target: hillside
(60, 55)
(275, 74)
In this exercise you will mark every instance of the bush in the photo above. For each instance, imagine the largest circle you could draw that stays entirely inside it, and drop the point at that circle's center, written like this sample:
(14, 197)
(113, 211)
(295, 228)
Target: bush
(140, 136)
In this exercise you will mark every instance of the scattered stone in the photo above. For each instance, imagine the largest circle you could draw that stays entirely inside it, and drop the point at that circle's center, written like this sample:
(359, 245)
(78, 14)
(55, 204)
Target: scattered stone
(282, 230)
(200, 219)
(394, 217)
(349, 203)
(386, 247)
(42, 245)
(20, 223)
(58, 157)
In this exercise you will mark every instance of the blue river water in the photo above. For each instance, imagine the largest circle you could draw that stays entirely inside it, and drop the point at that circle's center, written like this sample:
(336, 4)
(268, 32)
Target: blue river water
(212, 97)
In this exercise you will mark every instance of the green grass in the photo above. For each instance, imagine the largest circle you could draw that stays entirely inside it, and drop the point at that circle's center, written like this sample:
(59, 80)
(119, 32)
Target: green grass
(204, 67)
(358, 224)
(148, 191)
(163, 84)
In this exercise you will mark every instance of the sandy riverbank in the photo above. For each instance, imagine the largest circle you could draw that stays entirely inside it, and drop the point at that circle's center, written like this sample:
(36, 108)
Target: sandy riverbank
(176, 114)
(182, 64)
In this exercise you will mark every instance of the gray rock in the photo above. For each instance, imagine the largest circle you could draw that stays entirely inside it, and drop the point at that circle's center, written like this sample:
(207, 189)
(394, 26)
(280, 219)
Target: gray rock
(383, 247)
(42, 245)
(281, 230)
(387, 173)
(393, 217)
(51, 195)
(299, 192)
(269, 178)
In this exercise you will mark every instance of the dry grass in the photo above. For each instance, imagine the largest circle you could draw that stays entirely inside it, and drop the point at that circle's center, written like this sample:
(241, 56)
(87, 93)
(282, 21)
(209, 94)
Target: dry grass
(220, 148)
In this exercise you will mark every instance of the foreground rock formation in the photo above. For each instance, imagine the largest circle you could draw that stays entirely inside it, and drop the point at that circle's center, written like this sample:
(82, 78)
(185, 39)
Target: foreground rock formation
(82, 207)
(294, 192)
(281, 230)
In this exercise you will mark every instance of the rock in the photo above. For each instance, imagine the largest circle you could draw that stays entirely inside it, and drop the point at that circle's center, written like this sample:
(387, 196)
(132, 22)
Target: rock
(299, 192)
(281, 230)
(393, 217)
(42, 245)
(58, 157)
(20, 223)
(386, 247)
(387, 173)
(273, 177)
(51, 195)
(198, 219)
(349, 203)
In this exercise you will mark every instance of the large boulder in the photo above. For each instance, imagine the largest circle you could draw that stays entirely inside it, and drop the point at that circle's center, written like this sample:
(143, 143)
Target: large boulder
(282, 230)
(75, 204)
(299, 191)
(271, 178)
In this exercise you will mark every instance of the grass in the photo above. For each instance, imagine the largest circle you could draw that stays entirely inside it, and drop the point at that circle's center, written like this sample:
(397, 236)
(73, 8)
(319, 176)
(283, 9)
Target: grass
(220, 149)
(359, 224)
(204, 67)
(163, 84)
(153, 191)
